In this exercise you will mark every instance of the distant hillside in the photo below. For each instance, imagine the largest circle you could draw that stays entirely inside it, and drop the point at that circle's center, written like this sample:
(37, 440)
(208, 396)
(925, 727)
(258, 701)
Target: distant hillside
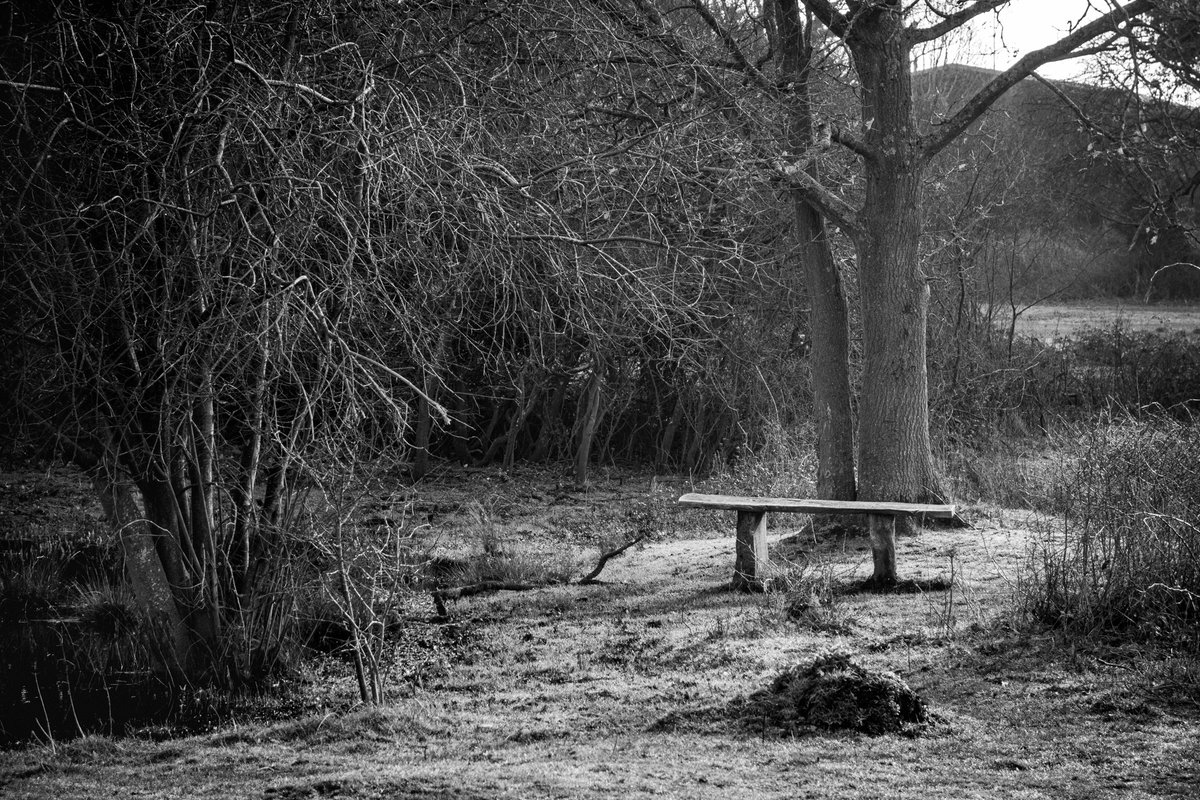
(1064, 196)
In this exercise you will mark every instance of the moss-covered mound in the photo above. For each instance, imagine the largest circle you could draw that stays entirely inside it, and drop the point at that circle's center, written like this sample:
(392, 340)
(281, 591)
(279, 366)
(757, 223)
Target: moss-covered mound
(833, 693)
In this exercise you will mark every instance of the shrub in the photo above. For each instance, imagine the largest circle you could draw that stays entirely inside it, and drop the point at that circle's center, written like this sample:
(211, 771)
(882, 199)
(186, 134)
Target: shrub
(1126, 559)
(782, 466)
(1133, 369)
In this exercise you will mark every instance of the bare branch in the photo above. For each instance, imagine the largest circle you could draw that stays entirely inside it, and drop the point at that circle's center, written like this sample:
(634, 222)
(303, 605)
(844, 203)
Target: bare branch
(793, 175)
(830, 17)
(604, 559)
(951, 21)
(950, 129)
(739, 58)
(576, 241)
(837, 210)
(440, 596)
(30, 86)
(1079, 113)
(853, 143)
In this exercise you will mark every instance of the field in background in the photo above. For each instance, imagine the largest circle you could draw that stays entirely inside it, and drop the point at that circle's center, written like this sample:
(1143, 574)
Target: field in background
(1049, 322)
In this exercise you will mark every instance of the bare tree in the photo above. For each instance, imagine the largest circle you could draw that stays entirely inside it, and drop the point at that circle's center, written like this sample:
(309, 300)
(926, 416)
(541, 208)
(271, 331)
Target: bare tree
(236, 234)
(895, 454)
(892, 152)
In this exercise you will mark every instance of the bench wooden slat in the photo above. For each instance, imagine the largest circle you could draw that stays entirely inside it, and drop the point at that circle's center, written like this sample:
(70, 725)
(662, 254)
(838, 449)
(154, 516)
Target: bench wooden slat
(735, 503)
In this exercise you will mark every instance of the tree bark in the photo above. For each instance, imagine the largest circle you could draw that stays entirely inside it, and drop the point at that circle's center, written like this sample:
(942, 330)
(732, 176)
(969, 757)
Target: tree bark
(667, 442)
(895, 458)
(829, 327)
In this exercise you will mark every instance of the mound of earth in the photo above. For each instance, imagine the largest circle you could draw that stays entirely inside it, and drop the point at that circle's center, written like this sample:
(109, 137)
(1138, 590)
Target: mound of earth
(834, 693)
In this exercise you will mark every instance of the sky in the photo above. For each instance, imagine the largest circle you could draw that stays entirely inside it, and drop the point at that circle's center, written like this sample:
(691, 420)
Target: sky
(997, 40)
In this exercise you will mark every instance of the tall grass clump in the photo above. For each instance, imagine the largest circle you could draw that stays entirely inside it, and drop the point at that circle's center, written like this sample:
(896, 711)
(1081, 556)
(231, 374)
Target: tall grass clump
(1124, 560)
(781, 466)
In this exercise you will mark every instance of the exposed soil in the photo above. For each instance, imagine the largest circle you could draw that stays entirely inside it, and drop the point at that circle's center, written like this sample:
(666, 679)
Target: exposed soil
(640, 686)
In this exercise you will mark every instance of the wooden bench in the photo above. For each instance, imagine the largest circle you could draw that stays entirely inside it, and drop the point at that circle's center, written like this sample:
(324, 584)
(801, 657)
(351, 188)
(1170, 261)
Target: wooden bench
(751, 559)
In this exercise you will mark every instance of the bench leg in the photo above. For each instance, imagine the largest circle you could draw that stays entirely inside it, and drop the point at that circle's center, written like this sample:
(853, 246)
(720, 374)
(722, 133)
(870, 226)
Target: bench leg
(883, 550)
(751, 560)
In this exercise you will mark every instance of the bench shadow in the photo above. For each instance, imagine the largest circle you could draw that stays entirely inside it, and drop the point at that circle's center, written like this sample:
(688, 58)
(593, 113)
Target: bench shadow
(904, 586)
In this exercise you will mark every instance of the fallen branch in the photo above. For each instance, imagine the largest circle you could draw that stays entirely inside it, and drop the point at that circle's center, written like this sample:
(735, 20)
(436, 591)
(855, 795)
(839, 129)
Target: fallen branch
(591, 576)
(440, 596)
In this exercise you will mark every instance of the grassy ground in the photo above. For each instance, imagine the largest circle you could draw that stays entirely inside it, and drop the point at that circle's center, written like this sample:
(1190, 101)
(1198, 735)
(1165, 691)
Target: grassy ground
(636, 687)
(1049, 321)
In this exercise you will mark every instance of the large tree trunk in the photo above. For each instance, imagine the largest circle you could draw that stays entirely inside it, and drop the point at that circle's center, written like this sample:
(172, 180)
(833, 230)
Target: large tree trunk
(829, 360)
(829, 328)
(895, 454)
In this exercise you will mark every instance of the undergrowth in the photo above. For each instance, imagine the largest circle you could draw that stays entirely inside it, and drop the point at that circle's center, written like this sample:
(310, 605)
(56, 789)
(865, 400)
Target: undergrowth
(1121, 559)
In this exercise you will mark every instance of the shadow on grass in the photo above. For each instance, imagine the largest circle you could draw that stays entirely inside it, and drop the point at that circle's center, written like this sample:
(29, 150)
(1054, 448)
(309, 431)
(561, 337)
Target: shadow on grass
(906, 586)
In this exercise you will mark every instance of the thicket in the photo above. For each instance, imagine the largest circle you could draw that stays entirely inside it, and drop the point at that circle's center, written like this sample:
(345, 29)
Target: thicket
(1099, 433)
(253, 248)
(1124, 564)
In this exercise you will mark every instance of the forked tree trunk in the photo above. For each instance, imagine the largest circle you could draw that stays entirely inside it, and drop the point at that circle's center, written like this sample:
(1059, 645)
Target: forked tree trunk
(550, 425)
(526, 402)
(189, 561)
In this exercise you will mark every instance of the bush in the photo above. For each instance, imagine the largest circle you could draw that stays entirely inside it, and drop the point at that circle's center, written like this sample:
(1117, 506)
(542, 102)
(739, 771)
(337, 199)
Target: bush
(985, 386)
(1126, 560)
(782, 466)
(1133, 369)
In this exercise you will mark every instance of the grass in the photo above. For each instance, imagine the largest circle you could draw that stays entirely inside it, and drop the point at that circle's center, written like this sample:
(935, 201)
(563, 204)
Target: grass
(639, 688)
(1052, 644)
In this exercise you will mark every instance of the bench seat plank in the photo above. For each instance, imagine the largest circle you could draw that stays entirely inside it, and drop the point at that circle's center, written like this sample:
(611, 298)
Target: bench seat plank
(735, 503)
